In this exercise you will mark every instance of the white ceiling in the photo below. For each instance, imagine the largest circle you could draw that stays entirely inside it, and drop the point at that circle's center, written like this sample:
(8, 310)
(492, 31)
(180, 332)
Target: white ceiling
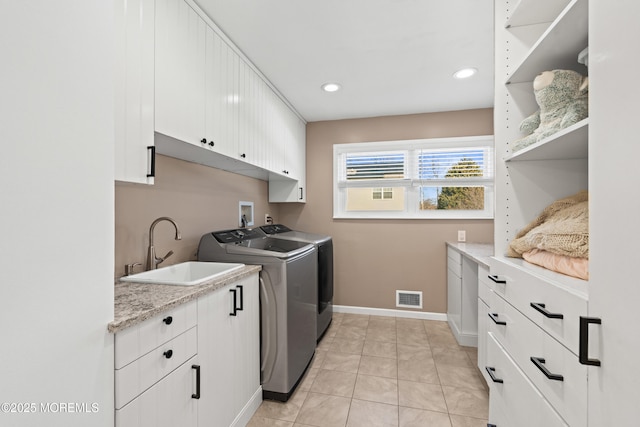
(390, 56)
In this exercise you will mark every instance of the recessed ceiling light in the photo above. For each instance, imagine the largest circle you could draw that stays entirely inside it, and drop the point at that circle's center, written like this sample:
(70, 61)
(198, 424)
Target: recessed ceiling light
(331, 87)
(465, 73)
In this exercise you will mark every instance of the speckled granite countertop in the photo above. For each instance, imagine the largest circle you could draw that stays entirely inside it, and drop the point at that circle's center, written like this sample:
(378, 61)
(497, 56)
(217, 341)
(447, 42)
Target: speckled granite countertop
(479, 252)
(136, 302)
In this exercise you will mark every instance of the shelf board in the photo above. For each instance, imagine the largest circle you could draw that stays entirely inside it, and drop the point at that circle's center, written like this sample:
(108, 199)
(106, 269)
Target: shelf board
(569, 143)
(559, 46)
(528, 12)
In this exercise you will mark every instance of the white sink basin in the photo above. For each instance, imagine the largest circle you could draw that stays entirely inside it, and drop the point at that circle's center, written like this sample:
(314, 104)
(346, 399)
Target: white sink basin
(185, 274)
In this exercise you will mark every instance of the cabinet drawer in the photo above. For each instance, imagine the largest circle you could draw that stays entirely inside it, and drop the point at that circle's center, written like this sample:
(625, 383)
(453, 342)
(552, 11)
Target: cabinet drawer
(170, 402)
(454, 261)
(138, 340)
(515, 401)
(484, 287)
(522, 288)
(522, 340)
(136, 377)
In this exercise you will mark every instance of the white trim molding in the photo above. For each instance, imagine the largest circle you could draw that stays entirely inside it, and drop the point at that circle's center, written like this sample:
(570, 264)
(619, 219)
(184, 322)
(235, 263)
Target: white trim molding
(390, 312)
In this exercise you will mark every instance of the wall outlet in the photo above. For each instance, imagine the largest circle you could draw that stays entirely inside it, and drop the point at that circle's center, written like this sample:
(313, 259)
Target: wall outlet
(462, 236)
(267, 217)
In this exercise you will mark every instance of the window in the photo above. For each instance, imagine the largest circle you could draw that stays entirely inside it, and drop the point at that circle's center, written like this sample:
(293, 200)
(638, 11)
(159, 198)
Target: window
(431, 178)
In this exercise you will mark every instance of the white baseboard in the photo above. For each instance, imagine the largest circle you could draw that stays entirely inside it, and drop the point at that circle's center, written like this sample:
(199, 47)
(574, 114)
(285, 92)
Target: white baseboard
(467, 340)
(389, 312)
(249, 409)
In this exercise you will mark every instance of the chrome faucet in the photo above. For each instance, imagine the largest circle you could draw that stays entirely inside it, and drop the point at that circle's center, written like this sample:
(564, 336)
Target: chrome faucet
(152, 259)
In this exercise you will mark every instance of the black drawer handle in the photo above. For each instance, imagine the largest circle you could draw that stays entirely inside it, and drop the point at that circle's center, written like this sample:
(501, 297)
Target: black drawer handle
(583, 353)
(152, 169)
(491, 371)
(241, 297)
(168, 320)
(211, 143)
(496, 280)
(196, 395)
(168, 354)
(494, 317)
(235, 303)
(538, 306)
(301, 193)
(539, 362)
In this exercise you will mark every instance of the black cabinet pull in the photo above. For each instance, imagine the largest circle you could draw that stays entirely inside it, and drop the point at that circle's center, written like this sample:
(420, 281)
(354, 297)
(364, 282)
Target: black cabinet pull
(540, 307)
(211, 143)
(203, 140)
(496, 280)
(235, 303)
(168, 354)
(583, 352)
(301, 193)
(494, 317)
(539, 362)
(243, 155)
(196, 395)
(491, 371)
(152, 171)
(241, 297)
(168, 320)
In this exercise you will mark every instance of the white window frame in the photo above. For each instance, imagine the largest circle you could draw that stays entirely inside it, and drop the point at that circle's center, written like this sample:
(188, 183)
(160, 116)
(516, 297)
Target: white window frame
(411, 182)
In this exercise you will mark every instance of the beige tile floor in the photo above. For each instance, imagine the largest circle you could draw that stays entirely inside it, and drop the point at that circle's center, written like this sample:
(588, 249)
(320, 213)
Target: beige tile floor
(373, 371)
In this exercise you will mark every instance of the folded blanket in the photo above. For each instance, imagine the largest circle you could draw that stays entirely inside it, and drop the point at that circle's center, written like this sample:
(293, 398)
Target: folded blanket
(562, 228)
(575, 267)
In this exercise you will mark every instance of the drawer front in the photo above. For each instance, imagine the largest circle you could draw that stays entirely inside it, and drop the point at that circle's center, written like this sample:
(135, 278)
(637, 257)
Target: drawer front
(515, 401)
(136, 377)
(170, 402)
(140, 339)
(522, 289)
(454, 262)
(484, 287)
(522, 340)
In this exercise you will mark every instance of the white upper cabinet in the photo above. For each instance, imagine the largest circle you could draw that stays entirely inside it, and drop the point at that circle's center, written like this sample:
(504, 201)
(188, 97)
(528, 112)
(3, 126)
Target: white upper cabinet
(213, 107)
(134, 144)
(221, 109)
(180, 72)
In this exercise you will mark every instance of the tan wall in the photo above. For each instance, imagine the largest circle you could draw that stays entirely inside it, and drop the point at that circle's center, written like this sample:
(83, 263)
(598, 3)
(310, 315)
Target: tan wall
(200, 199)
(373, 258)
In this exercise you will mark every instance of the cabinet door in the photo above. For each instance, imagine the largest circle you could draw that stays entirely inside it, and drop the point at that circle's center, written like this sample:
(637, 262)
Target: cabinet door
(229, 348)
(614, 207)
(134, 21)
(168, 403)
(180, 72)
(246, 349)
(215, 343)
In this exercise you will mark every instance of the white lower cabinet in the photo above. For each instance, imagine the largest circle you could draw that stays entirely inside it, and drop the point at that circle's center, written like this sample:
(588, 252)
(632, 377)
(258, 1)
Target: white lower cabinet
(197, 364)
(483, 320)
(515, 401)
(462, 297)
(229, 348)
(532, 346)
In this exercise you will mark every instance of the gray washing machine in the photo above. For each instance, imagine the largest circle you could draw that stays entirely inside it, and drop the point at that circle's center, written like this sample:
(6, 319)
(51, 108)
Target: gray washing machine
(324, 244)
(288, 301)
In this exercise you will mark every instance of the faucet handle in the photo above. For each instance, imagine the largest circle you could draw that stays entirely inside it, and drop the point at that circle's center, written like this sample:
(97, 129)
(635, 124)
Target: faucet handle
(165, 257)
(128, 268)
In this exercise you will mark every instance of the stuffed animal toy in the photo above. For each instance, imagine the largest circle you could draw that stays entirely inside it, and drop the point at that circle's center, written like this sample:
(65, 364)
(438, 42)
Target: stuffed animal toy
(563, 97)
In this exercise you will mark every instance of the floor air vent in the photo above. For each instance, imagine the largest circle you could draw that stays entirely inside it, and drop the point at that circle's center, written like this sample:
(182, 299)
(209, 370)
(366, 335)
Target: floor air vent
(409, 299)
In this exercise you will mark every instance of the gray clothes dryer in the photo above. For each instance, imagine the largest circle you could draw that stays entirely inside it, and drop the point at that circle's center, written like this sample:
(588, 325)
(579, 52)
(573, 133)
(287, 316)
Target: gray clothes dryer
(288, 301)
(324, 244)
